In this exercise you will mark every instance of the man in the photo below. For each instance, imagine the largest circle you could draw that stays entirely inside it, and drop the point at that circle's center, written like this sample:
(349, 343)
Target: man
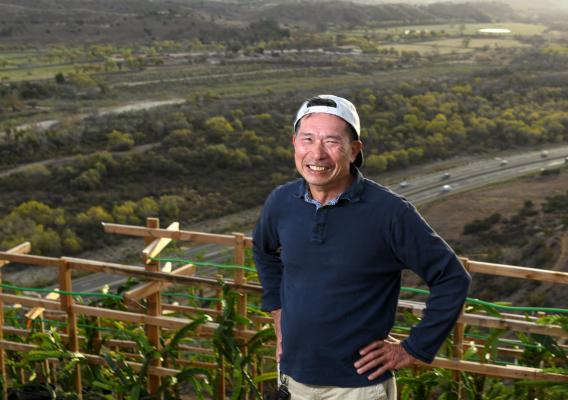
(329, 249)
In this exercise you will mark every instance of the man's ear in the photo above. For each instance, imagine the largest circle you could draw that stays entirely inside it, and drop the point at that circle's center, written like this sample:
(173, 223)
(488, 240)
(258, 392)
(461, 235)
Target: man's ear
(356, 147)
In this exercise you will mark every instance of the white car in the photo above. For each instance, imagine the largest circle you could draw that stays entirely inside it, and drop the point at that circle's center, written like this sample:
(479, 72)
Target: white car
(544, 153)
(403, 184)
(503, 163)
(447, 188)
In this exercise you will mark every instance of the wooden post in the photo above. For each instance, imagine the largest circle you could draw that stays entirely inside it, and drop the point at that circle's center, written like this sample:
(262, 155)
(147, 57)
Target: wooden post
(459, 331)
(154, 309)
(4, 376)
(240, 275)
(240, 279)
(221, 388)
(22, 248)
(71, 329)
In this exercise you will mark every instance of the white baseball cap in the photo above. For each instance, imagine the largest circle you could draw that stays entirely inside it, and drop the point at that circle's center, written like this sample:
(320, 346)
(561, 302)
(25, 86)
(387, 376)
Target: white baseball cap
(334, 105)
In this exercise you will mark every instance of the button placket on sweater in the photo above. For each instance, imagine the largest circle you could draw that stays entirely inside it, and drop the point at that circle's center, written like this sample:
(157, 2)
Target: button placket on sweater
(319, 224)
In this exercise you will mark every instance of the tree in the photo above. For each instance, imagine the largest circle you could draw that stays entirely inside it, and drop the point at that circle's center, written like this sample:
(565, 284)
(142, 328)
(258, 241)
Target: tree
(147, 207)
(60, 78)
(88, 180)
(376, 163)
(119, 141)
(171, 206)
(218, 129)
(71, 243)
(40, 213)
(125, 213)
(94, 216)
(45, 241)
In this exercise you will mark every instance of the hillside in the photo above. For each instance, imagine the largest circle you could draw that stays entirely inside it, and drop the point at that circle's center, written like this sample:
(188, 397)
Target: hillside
(143, 21)
(523, 222)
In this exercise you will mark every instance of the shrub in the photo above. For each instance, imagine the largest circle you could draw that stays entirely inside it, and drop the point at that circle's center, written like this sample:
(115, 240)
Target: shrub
(481, 225)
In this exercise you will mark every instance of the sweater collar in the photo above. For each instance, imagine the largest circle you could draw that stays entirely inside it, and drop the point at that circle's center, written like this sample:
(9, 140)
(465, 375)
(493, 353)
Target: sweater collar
(353, 192)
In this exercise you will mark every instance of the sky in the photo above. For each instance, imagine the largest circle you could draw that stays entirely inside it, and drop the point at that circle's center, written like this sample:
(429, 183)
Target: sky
(523, 4)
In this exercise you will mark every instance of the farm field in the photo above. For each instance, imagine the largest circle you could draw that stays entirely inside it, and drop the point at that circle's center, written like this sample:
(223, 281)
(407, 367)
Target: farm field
(462, 28)
(447, 46)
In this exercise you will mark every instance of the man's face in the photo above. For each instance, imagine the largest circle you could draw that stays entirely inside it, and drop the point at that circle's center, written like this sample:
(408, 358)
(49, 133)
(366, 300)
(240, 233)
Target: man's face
(323, 151)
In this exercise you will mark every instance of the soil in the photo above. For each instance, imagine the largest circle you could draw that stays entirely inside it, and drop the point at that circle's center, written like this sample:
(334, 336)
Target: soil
(449, 215)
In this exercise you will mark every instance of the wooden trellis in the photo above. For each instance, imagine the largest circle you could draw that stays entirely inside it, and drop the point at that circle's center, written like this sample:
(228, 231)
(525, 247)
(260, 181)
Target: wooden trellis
(155, 319)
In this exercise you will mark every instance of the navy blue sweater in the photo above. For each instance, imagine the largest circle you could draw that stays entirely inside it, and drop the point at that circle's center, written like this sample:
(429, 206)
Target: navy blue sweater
(336, 272)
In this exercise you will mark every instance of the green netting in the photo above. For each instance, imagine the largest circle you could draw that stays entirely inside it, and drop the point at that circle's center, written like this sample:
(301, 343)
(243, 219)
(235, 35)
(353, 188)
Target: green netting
(190, 296)
(495, 305)
(203, 263)
(47, 290)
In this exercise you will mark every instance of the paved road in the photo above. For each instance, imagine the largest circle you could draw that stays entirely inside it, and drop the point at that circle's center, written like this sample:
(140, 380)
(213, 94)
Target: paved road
(480, 173)
(418, 190)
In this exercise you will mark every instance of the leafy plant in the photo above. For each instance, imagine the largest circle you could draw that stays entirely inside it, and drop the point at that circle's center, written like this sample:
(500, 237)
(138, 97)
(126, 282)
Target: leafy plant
(49, 346)
(122, 379)
(238, 356)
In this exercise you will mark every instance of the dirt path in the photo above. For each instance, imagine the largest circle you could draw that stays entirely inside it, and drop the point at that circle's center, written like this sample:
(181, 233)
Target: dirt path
(61, 160)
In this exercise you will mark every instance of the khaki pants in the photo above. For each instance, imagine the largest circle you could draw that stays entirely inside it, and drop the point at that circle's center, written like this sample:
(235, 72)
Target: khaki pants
(380, 391)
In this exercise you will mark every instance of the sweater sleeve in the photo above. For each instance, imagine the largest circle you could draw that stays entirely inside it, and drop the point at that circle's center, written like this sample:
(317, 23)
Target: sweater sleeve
(266, 254)
(419, 248)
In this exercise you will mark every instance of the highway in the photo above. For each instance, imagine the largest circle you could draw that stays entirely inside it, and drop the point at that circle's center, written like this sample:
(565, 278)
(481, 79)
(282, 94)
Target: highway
(420, 189)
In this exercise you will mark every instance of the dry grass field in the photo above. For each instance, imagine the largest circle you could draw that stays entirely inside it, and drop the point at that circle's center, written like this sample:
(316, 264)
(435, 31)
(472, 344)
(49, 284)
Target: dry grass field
(448, 215)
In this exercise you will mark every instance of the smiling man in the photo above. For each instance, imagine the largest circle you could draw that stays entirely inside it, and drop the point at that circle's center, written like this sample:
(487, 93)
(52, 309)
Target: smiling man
(329, 249)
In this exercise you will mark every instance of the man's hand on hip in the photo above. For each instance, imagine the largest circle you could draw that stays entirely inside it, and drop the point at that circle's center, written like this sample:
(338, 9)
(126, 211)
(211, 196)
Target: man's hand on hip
(386, 354)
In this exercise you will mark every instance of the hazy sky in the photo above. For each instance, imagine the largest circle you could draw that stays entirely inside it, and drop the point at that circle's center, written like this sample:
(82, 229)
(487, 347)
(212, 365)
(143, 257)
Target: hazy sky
(522, 4)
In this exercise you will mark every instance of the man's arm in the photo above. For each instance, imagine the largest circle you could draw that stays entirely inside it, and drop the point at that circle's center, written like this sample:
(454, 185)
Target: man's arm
(266, 254)
(269, 266)
(419, 248)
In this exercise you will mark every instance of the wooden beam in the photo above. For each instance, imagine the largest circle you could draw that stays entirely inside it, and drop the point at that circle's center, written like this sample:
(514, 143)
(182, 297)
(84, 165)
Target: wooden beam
(173, 323)
(140, 231)
(138, 272)
(30, 301)
(22, 248)
(212, 312)
(239, 257)
(38, 311)
(518, 272)
(154, 300)
(71, 329)
(29, 259)
(155, 248)
(91, 358)
(516, 325)
(494, 322)
(503, 371)
(149, 288)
